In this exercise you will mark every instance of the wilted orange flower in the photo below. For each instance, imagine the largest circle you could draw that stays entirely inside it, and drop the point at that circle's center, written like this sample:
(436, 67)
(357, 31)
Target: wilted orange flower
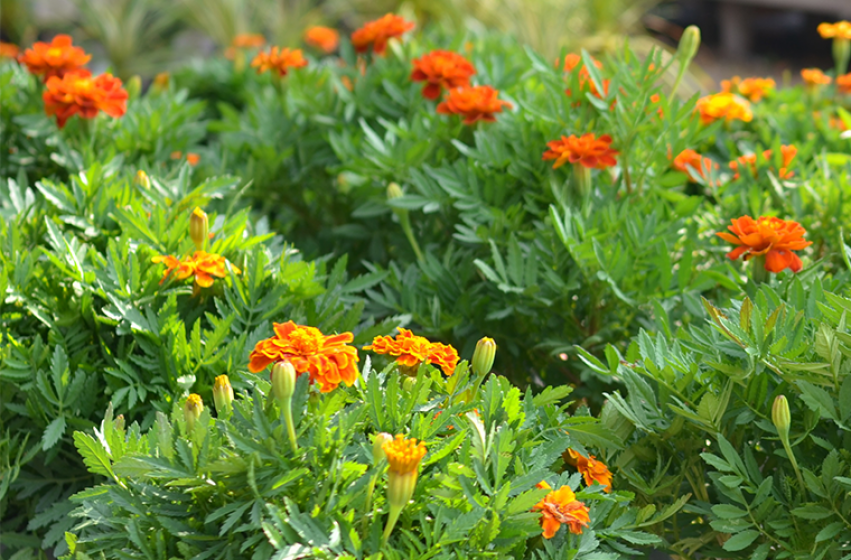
(79, 93)
(328, 360)
(689, 159)
(838, 30)
(279, 60)
(814, 77)
(560, 507)
(404, 455)
(724, 106)
(56, 58)
(586, 150)
(244, 41)
(769, 236)
(441, 69)
(474, 103)
(376, 33)
(410, 350)
(323, 38)
(752, 88)
(843, 83)
(787, 152)
(592, 470)
(8, 50)
(202, 265)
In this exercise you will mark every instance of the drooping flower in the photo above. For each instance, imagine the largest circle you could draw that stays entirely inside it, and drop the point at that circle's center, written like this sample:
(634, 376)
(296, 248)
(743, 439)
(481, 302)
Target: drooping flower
(203, 266)
(787, 152)
(328, 360)
(775, 238)
(56, 58)
(690, 162)
(752, 88)
(561, 507)
(592, 470)
(586, 150)
(474, 103)
(813, 77)
(77, 93)
(244, 41)
(838, 30)
(9, 50)
(410, 350)
(843, 83)
(441, 69)
(725, 106)
(376, 33)
(322, 38)
(279, 60)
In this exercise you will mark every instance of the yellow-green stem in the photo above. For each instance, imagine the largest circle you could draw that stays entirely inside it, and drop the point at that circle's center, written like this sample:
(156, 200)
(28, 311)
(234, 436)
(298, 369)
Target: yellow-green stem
(759, 274)
(405, 220)
(788, 448)
(286, 410)
(582, 178)
(395, 511)
(370, 490)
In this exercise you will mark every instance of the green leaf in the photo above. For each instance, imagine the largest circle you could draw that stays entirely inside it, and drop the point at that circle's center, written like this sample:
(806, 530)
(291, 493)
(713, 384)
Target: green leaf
(740, 541)
(94, 455)
(817, 399)
(812, 511)
(727, 511)
(53, 433)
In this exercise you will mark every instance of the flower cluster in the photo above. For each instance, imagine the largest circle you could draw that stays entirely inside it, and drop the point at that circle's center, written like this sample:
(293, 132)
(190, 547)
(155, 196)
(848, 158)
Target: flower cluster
(442, 70)
(771, 237)
(787, 152)
(411, 350)
(203, 267)
(279, 60)
(838, 30)
(376, 33)
(561, 507)
(586, 150)
(725, 106)
(752, 88)
(78, 93)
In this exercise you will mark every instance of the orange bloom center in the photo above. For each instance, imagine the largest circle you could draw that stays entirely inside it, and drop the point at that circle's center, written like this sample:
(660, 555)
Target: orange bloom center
(404, 455)
(586, 150)
(772, 237)
(561, 507)
(77, 93)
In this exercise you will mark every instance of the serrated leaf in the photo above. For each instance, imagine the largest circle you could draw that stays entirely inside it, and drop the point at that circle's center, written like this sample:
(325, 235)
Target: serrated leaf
(53, 433)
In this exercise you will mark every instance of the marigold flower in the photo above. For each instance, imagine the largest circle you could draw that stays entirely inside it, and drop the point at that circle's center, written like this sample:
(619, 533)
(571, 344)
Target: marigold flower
(223, 395)
(56, 58)
(843, 83)
(376, 33)
(441, 69)
(79, 93)
(9, 50)
(327, 359)
(404, 455)
(323, 38)
(592, 470)
(814, 77)
(586, 150)
(279, 60)
(244, 41)
(410, 350)
(202, 265)
(752, 88)
(838, 30)
(788, 153)
(690, 160)
(775, 238)
(192, 409)
(571, 62)
(192, 158)
(724, 106)
(561, 507)
(474, 103)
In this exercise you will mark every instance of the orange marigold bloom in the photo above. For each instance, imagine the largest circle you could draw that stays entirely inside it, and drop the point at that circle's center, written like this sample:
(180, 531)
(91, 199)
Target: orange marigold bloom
(752, 88)
(561, 507)
(775, 238)
(724, 106)
(244, 41)
(474, 103)
(323, 38)
(279, 60)
(592, 470)
(586, 150)
(787, 152)
(843, 83)
(9, 50)
(376, 33)
(202, 265)
(404, 455)
(79, 93)
(56, 58)
(571, 61)
(328, 360)
(441, 69)
(814, 77)
(193, 158)
(838, 30)
(690, 160)
(410, 350)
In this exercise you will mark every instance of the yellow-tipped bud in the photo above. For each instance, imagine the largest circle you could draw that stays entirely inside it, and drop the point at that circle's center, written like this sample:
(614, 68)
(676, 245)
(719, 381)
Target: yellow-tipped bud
(143, 179)
(483, 356)
(223, 395)
(283, 381)
(119, 422)
(689, 44)
(378, 453)
(161, 81)
(192, 409)
(394, 191)
(403, 456)
(198, 227)
(781, 417)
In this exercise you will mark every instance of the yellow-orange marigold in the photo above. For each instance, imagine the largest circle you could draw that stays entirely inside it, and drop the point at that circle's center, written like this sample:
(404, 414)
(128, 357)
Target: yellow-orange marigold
(404, 455)
(843, 83)
(205, 267)
(775, 238)
(279, 60)
(690, 162)
(586, 150)
(814, 77)
(56, 58)
(561, 507)
(410, 350)
(752, 88)
(322, 38)
(725, 106)
(838, 30)
(474, 103)
(787, 152)
(328, 360)
(9, 50)
(77, 93)
(376, 33)
(441, 69)
(592, 470)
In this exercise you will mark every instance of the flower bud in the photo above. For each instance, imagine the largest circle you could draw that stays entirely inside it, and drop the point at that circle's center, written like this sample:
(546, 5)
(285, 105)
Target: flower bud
(781, 417)
(283, 381)
(378, 453)
(483, 356)
(119, 422)
(223, 395)
(394, 191)
(192, 409)
(161, 81)
(689, 43)
(133, 87)
(198, 226)
(143, 179)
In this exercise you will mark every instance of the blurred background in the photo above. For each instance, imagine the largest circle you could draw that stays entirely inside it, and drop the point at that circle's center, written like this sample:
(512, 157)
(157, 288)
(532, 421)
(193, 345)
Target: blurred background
(144, 37)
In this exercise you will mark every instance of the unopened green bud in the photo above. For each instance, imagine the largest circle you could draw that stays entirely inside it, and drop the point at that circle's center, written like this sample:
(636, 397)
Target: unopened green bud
(394, 191)
(198, 227)
(119, 422)
(134, 87)
(192, 409)
(223, 395)
(143, 179)
(483, 356)
(283, 381)
(689, 44)
(781, 417)
(378, 453)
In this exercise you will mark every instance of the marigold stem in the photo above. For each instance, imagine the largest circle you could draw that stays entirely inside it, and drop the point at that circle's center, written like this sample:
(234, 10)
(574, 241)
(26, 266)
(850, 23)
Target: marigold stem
(759, 274)
(788, 448)
(391, 522)
(287, 411)
(405, 220)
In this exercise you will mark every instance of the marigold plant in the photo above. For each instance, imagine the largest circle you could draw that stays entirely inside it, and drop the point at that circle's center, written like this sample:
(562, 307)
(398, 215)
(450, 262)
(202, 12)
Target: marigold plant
(727, 106)
(411, 350)
(768, 236)
(787, 152)
(77, 93)
(325, 39)
(56, 58)
(561, 507)
(279, 60)
(441, 69)
(474, 103)
(376, 33)
(587, 150)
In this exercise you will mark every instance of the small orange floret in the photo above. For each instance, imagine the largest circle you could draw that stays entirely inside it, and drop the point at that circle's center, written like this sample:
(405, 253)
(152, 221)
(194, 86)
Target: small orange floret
(323, 38)
(724, 106)
(404, 455)
(775, 238)
(328, 360)
(843, 83)
(592, 470)
(752, 88)
(787, 152)
(690, 162)
(376, 33)
(838, 30)
(441, 69)
(411, 350)
(586, 150)
(571, 62)
(202, 265)
(279, 60)
(193, 158)
(244, 41)
(9, 50)
(77, 93)
(561, 507)
(56, 58)
(814, 77)
(474, 103)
